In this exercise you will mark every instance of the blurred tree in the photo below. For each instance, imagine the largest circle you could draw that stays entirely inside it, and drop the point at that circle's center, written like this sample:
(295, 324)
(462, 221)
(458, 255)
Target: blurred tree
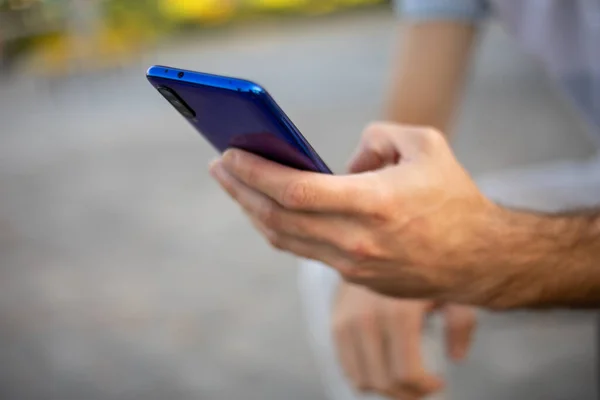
(22, 22)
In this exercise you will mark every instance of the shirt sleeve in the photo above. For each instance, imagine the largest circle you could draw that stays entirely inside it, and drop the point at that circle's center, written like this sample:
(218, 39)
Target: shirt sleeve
(467, 10)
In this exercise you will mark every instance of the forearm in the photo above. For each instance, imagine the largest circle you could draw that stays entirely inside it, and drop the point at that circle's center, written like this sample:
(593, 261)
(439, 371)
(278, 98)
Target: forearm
(523, 260)
(530, 260)
(429, 69)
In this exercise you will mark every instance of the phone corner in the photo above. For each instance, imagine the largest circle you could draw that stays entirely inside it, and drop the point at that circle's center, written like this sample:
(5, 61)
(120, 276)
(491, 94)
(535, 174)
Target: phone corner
(257, 89)
(151, 71)
(157, 71)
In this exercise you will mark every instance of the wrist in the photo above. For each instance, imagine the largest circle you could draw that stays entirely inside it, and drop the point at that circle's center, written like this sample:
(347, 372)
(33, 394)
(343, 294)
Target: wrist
(529, 260)
(516, 249)
(483, 262)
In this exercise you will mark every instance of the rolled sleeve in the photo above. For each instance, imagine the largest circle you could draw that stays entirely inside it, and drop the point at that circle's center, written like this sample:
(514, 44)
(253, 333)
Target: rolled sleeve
(467, 10)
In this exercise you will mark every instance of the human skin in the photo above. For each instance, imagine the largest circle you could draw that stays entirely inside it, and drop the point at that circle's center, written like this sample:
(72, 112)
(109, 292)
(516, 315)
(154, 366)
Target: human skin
(420, 228)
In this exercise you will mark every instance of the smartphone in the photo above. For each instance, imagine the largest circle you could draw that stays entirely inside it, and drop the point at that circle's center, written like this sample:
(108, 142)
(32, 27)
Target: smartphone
(236, 113)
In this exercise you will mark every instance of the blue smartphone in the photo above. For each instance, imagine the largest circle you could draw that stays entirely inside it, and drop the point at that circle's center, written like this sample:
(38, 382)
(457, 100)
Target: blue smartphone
(231, 112)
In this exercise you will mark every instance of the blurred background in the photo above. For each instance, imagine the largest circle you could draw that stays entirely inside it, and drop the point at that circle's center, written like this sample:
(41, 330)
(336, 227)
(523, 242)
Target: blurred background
(125, 273)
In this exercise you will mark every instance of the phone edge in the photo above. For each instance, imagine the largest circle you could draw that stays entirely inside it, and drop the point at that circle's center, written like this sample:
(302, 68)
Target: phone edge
(241, 85)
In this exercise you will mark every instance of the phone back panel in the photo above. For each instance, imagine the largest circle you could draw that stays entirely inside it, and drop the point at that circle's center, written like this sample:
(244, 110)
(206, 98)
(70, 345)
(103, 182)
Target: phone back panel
(237, 113)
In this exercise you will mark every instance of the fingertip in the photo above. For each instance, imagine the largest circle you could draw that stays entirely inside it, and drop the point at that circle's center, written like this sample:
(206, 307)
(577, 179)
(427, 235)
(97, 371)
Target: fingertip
(230, 156)
(238, 160)
(438, 383)
(460, 327)
(433, 384)
(458, 353)
(219, 173)
(428, 385)
(214, 168)
(213, 163)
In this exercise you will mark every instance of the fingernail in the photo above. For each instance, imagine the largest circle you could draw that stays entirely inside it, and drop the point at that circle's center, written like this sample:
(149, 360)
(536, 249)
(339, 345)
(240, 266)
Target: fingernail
(230, 156)
(215, 168)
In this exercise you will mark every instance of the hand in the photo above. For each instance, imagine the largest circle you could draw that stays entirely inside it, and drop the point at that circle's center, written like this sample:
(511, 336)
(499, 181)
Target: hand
(417, 229)
(378, 341)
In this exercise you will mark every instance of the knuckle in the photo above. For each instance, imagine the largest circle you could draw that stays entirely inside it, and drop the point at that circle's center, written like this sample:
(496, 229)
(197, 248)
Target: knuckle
(346, 268)
(353, 273)
(269, 215)
(380, 209)
(297, 194)
(375, 130)
(390, 390)
(410, 382)
(275, 240)
(359, 250)
(431, 139)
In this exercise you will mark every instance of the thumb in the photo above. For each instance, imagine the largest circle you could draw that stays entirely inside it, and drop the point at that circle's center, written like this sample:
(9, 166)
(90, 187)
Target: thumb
(460, 323)
(385, 144)
(376, 150)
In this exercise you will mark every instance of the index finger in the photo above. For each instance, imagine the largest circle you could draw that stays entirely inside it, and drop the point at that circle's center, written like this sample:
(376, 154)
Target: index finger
(300, 190)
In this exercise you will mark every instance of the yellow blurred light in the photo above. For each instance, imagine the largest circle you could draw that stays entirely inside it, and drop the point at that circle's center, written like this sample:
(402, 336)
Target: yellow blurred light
(307, 6)
(359, 2)
(277, 4)
(198, 10)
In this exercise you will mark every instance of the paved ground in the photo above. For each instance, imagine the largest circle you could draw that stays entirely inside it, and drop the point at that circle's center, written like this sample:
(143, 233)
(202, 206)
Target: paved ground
(126, 273)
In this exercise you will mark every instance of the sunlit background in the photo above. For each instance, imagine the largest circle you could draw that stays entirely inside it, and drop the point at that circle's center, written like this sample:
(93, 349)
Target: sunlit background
(125, 273)
(60, 36)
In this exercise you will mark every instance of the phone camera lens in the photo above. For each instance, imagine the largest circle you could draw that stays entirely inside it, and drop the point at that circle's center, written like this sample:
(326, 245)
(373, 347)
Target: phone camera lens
(180, 75)
(176, 102)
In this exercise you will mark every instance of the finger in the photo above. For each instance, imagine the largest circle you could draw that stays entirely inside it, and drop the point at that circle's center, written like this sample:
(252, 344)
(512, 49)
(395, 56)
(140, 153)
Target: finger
(365, 160)
(299, 190)
(405, 330)
(375, 151)
(460, 324)
(309, 238)
(314, 227)
(368, 334)
(301, 248)
(405, 394)
(347, 354)
(310, 250)
(419, 388)
(402, 142)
